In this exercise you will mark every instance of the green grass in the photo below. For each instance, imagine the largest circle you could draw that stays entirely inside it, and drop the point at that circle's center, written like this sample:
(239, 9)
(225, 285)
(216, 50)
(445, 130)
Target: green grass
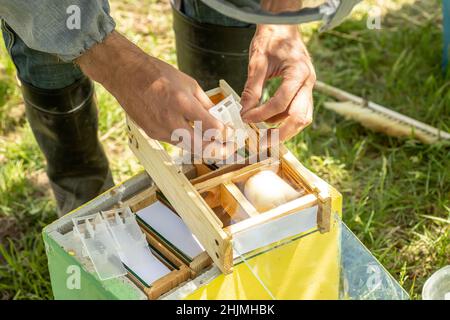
(396, 191)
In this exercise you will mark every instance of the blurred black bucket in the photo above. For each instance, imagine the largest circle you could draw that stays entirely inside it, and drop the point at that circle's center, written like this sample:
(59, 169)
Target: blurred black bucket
(209, 52)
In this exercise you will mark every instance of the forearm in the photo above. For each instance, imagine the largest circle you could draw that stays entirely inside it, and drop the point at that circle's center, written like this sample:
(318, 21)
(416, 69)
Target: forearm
(104, 62)
(277, 6)
(123, 69)
(158, 97)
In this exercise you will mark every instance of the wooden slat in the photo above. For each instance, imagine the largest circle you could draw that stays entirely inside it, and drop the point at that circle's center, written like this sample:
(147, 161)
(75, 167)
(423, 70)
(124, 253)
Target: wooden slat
(218, 172)
(185, 199)
(142, 199)
(231, 206)
(293, 206)
(201, 170)
(316, 185)
(200, 262)
(241, 199)
(236, 175)
(225, 169)
(168, 282)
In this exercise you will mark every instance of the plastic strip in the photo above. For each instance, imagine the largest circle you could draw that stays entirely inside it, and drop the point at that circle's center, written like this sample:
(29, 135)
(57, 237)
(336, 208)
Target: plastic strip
(276, 230)
(98, 245)
(132, 246)
(255, 274)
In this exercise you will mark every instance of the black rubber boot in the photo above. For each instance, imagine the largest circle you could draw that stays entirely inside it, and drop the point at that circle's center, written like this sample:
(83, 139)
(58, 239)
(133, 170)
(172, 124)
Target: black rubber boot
(209, 52)
(64, 122)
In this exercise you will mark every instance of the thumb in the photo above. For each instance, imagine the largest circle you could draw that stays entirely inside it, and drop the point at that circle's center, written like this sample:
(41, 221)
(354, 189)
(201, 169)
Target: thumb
(257, 71)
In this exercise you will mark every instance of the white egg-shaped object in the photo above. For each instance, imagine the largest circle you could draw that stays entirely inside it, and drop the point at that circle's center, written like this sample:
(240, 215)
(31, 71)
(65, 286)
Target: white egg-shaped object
(266, 190)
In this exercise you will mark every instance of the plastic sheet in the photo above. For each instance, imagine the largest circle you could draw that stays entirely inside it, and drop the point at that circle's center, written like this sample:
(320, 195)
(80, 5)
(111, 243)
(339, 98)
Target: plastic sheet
(333, 265)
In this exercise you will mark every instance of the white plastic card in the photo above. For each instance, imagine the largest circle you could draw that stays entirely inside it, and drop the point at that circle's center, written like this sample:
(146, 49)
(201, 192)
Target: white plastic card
(170, 226)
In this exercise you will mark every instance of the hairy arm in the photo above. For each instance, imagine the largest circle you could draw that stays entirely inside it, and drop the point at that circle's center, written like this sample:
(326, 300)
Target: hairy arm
(158, 97)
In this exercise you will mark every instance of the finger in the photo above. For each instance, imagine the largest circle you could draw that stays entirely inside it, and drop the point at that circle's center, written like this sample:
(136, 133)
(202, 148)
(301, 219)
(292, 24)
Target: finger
(196, 111)
(300, 113)
(279, 117)
(284, 115)
(293, 79)
(257, 75)
(204, 99)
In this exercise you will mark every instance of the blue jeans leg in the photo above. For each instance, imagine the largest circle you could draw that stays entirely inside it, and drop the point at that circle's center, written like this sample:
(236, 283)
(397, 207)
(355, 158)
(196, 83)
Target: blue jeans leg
(39, 69)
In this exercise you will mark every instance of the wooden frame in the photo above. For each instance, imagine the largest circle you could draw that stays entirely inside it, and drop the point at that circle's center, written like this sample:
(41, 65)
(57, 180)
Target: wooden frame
(146, 198)
(165, 284)
(226, 182)
(182, 270)
(188, 203)
(185, 195)
(313, 183)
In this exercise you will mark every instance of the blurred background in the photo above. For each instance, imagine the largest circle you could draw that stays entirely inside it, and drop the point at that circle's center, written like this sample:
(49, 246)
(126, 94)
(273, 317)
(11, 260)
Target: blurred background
(396, 191)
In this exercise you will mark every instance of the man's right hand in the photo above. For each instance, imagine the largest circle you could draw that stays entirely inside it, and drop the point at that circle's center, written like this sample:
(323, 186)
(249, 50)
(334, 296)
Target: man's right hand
(158, 97)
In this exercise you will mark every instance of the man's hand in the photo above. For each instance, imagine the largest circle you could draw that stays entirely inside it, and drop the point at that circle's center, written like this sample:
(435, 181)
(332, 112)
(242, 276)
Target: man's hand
(158, 97)
(279, 51)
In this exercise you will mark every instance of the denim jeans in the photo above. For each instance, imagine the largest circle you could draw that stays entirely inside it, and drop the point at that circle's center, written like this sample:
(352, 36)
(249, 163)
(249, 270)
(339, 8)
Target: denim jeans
(40, 69)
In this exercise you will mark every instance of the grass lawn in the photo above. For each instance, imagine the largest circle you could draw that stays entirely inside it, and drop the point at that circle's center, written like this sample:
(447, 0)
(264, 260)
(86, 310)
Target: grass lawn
(396, 192)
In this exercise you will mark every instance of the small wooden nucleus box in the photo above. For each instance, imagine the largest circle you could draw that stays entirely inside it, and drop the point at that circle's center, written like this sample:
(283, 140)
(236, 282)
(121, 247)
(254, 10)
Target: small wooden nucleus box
(288, 251)
(211, 202)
